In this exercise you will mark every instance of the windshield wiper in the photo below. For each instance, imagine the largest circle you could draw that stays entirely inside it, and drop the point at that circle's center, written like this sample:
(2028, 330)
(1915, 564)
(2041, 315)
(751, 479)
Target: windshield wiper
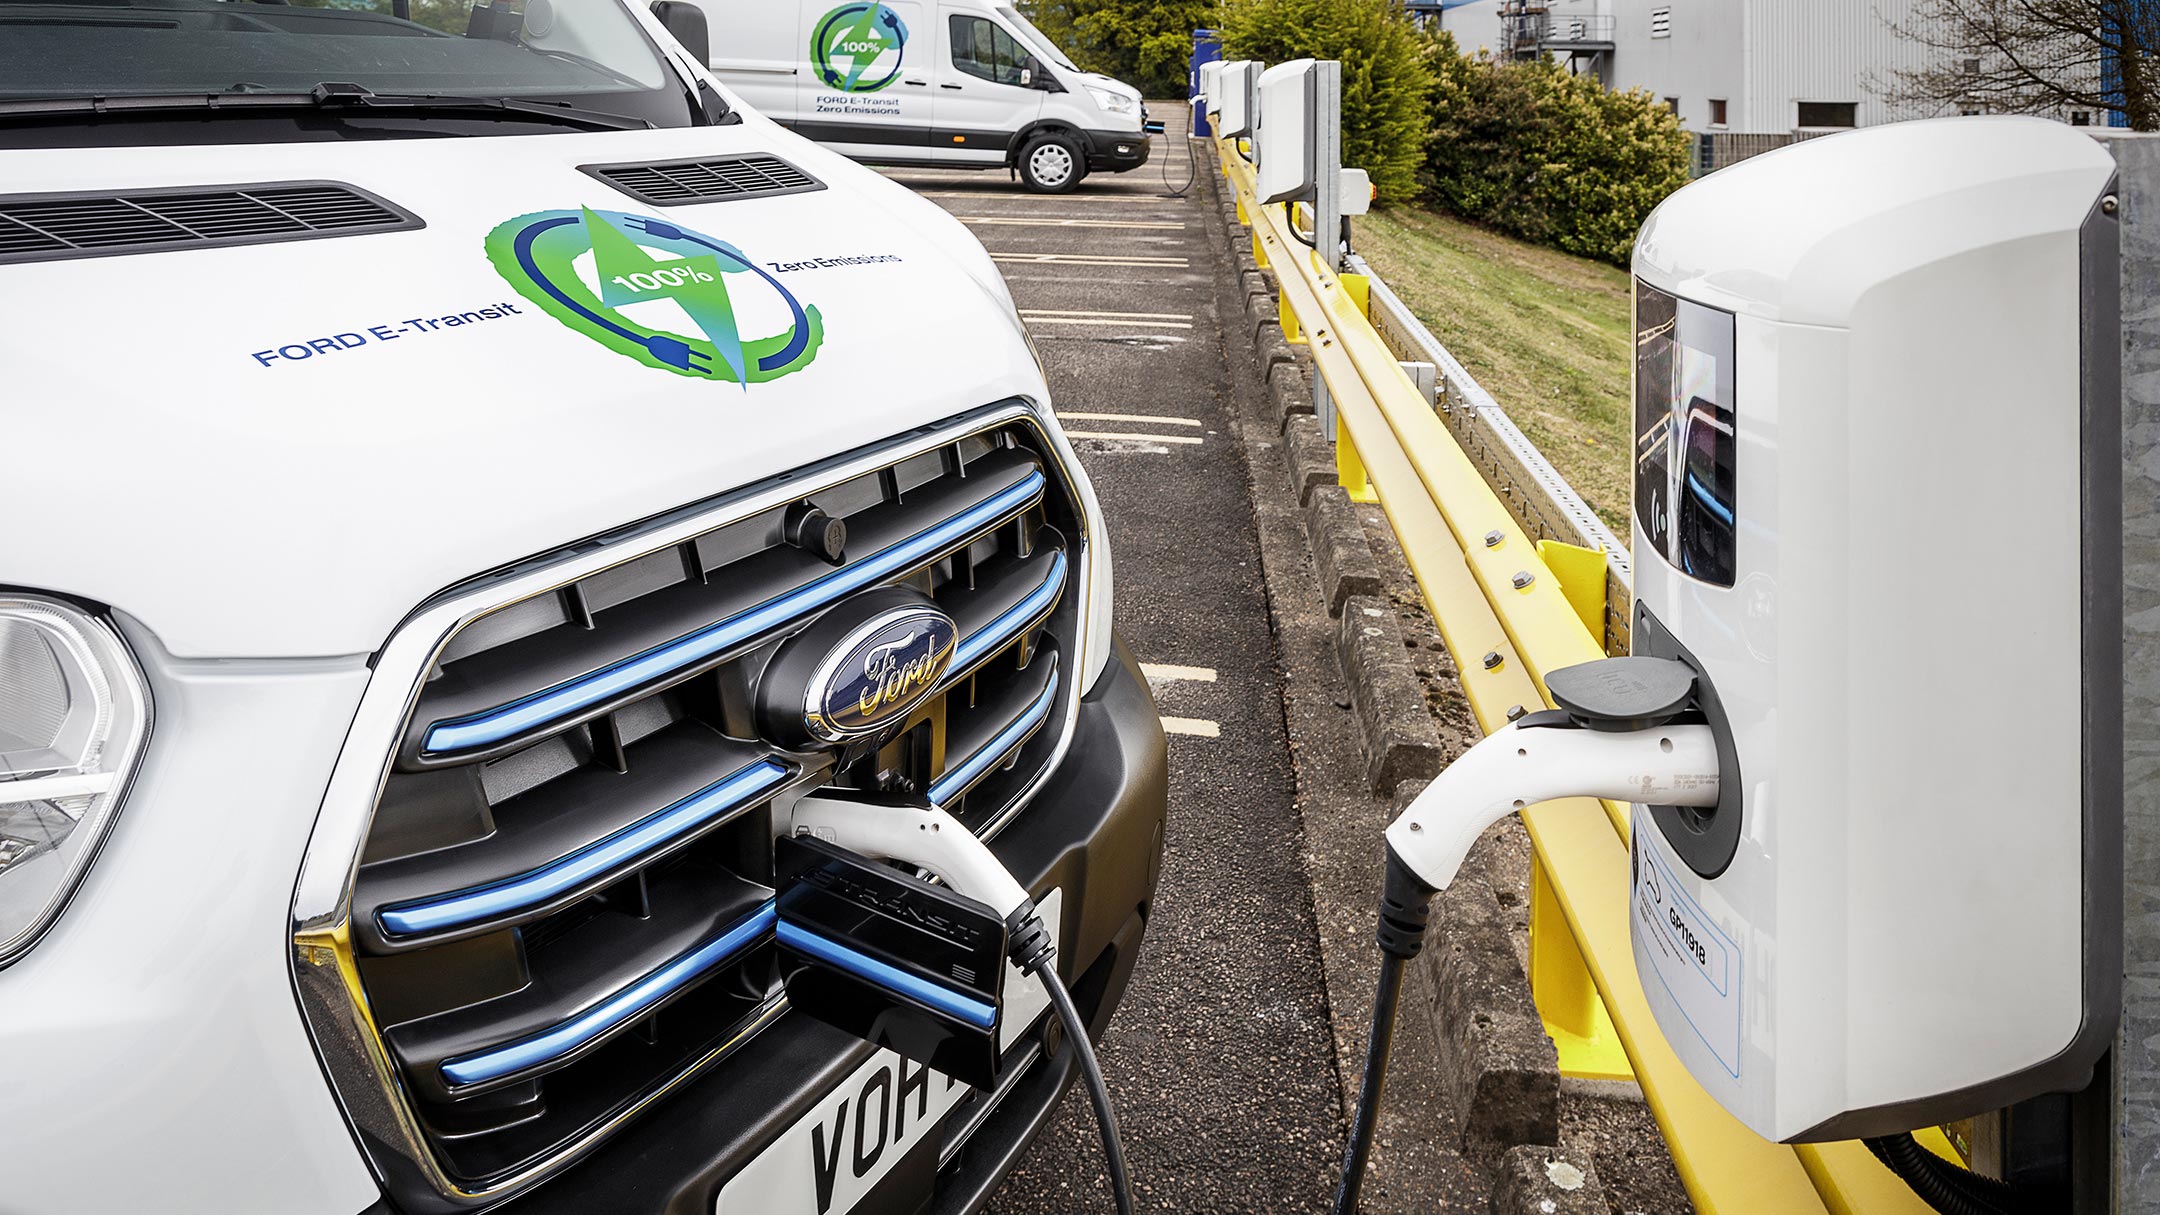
(330, 97)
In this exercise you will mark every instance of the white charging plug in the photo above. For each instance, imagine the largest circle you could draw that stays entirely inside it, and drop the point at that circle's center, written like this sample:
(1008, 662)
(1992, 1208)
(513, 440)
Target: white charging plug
(1670, 765)
(923, 836)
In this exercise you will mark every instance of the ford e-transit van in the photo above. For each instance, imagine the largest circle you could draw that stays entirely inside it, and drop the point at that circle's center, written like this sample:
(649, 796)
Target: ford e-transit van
(424, 424)
(945, 83)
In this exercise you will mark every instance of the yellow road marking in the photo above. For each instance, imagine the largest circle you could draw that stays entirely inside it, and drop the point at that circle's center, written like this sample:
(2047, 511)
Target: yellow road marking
(1194, 727)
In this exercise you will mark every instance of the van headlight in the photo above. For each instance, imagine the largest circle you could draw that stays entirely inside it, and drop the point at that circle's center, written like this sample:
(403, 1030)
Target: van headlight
(1114, 103)
(73, 714)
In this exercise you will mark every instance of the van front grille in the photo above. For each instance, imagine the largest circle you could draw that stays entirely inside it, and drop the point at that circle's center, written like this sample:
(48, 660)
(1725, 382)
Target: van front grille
(564, 899)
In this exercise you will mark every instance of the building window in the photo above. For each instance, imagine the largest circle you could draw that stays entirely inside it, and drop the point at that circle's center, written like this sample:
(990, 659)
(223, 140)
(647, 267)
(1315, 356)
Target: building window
(1972, 67)
(1661, 22)
(1971, 111)
(1717, 111)
(1673, 104)
(2081, 118)
(1829, 114)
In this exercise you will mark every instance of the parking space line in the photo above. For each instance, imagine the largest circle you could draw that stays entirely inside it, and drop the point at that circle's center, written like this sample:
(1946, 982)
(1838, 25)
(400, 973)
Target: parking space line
(1122, 316)
(1096, 320)
(1033, 200)
(1192, 727)
(1158, 419)
(1134, 436)
(1082, 259)
(1051, 222)
(1170, 672)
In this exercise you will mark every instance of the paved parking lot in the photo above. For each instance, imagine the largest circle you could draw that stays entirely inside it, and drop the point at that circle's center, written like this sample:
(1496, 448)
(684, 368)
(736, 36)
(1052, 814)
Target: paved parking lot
(1219, 1058)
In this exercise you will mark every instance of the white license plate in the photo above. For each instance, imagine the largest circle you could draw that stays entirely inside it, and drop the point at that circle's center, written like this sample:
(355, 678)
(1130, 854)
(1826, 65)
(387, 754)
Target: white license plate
(838, 1152)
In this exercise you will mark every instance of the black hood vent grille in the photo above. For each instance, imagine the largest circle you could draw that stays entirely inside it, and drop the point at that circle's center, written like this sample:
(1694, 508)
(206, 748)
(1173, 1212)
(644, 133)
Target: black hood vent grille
(48, 227)
(677, 183)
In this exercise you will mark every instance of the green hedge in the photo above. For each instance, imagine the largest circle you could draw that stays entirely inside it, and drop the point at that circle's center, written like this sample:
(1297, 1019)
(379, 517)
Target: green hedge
(1385, 75)
(1553, 158)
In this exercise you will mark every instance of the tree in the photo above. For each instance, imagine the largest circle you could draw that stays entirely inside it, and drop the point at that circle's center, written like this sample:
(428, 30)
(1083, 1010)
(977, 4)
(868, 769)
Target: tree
(1145, 43)
(2035, 57)
(1385, 78)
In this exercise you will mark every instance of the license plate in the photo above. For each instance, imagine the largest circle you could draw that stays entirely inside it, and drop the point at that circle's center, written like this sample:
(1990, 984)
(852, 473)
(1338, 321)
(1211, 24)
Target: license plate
(836, 1154)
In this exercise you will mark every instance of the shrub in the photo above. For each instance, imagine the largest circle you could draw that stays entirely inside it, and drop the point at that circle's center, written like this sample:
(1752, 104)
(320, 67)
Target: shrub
(1385, 76)
(1553, 158)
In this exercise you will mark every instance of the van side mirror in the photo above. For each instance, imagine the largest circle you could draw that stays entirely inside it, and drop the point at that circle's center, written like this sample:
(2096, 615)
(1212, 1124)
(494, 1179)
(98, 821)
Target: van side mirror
(686, 22)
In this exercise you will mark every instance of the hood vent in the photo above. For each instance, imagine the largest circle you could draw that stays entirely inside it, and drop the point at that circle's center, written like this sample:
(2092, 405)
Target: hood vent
(677, 183)
(48, 227)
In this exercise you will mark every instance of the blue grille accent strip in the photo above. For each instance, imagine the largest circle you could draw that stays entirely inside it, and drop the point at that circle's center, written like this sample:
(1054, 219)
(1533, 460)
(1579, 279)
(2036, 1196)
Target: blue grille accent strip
(1015, 618)
(481, 903)
(890, 977)
(959, 779)
(493, 726)
(620, 1009)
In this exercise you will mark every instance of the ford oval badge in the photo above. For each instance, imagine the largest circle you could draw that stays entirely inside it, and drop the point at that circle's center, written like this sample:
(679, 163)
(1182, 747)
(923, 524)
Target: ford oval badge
(878, 671)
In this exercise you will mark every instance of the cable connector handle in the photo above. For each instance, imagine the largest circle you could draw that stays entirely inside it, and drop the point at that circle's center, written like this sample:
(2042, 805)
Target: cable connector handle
(1027, 941)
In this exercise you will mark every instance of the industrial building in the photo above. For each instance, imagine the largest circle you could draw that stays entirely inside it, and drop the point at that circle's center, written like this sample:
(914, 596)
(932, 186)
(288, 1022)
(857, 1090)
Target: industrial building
(1755, 67)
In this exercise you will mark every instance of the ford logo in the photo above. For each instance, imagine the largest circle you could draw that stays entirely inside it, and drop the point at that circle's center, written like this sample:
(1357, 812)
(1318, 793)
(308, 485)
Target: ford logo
(857, 671)
(878, 672)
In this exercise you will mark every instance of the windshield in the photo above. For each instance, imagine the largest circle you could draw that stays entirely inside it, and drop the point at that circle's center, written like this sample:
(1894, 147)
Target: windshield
(588, 52)
(1042, 42)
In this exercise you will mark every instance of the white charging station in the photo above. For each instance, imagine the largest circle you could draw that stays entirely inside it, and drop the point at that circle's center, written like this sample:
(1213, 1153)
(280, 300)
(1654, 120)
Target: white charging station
(1877, 511)
(1236, 99)
(1211, 87)
(1283, 150)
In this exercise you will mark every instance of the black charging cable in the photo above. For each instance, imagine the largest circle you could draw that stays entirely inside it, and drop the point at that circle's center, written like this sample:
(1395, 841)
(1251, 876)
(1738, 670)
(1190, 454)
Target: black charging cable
(1944, 1186)
(1405, 905)
(1029, 946)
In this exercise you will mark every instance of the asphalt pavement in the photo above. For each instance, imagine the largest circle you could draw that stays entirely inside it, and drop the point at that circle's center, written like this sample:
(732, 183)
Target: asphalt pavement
(1220, 1058)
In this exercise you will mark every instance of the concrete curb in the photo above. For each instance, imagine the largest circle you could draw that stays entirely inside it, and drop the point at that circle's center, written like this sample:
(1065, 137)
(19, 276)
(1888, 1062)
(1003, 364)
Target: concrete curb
(1494, 1063)
(1543, 1181)
(1340, 555)
(1400, 742)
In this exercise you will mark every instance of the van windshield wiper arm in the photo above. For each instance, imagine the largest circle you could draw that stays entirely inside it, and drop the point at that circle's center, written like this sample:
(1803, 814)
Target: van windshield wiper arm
(331, 97)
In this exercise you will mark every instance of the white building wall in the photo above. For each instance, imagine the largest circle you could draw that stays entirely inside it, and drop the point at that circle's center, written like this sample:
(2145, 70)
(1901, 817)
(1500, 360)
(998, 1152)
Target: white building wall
(1704, 56)
(1826, 50)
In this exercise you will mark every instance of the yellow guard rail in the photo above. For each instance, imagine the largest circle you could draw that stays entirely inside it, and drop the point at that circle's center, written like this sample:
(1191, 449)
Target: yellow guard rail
(1466, 550)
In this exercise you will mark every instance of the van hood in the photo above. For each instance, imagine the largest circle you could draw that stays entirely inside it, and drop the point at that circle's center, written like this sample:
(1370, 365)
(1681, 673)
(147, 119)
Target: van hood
(281, 449)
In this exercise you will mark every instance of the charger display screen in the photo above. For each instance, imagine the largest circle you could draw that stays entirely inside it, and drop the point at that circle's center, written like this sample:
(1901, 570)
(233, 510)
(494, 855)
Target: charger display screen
(1686, 474)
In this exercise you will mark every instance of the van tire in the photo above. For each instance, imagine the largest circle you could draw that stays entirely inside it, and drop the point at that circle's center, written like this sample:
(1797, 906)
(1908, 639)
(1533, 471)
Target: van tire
(1052, 163)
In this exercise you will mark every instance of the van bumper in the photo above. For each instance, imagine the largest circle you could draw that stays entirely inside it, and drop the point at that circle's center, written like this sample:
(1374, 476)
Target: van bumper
(1095, 832)
(1116, 151)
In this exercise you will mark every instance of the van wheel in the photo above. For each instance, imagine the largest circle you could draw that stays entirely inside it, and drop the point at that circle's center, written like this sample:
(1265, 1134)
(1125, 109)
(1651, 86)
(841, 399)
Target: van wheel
(1051, 163)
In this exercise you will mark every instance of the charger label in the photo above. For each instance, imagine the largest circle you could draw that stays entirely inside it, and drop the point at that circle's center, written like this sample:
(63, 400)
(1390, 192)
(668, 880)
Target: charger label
(1698, 965)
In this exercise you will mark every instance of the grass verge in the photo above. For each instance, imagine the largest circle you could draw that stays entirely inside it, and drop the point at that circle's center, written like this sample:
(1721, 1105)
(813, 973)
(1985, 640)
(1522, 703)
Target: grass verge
(1546, 333)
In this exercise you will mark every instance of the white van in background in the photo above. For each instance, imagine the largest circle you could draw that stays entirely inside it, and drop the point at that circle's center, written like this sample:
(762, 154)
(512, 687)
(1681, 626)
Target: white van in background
(940, 83)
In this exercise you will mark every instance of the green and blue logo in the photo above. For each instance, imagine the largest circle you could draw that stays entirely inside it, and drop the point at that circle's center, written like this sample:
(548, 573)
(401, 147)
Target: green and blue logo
(632, 296)
(857, 47)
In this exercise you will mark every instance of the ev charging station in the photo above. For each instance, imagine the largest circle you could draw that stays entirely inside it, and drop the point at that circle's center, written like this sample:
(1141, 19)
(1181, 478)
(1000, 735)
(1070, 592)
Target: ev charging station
(1236, 100)
(1866, 369)
(1873, 728)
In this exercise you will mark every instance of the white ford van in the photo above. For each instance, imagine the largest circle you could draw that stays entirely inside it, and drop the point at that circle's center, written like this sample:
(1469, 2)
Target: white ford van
(424, 424)
(945, 83)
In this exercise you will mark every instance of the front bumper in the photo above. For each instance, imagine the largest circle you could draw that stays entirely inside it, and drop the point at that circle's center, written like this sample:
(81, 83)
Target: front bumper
(1096, 832)
(1116, 151)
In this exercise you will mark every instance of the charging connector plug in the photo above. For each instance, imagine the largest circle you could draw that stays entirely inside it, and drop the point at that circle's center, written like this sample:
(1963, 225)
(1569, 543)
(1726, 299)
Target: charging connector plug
(1617, 736)
(930, 839)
